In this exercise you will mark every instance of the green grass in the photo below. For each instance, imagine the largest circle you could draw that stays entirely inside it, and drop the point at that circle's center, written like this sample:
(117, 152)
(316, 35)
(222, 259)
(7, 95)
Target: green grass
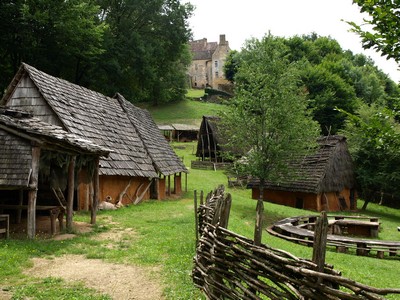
(165, 238)
(184, 112)
(195, 93)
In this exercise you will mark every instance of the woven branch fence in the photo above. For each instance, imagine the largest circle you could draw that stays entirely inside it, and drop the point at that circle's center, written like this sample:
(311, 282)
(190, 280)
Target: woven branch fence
(230, 266)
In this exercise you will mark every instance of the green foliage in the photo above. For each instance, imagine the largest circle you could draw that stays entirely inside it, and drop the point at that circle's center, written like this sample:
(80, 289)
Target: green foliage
(374, 140)
(231, 65)
(332, 77)
(59, 37)
(384, 22)
(147, 52)
(267, 117)
(137, 48)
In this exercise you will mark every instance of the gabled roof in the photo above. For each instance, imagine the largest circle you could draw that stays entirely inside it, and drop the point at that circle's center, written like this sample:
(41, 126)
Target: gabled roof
(164, 158)
(96, 117)
(17, 132)
(328, 169)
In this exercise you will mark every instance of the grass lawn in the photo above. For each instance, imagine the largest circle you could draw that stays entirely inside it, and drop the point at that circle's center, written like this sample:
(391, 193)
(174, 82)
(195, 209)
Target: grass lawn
(165, 238)
(184, 112)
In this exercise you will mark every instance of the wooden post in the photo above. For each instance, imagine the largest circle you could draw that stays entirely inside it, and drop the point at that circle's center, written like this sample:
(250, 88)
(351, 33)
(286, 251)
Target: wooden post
(196, 218)
(225, 211)
(186, 183)
(20, 201)
(95, 200)
(32, 194)
(320, 238)
(70, 194)
(169, 185)
(259, 216)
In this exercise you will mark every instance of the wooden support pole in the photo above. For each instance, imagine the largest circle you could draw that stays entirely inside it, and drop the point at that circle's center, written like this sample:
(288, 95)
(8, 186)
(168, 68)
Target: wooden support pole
(95, 201)
(196, 218)
(320, 238)
(20, 202)
(32, 194)
(70, 194)
(169, 185)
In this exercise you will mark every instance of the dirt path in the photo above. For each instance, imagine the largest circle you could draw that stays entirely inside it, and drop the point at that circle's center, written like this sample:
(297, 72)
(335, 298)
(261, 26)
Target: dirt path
(121, 282)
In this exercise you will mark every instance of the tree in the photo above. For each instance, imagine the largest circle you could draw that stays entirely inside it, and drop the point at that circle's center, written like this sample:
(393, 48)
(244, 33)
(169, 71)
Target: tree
(231, 65)
(59, 37)
(374, 142)
(268, 117)
(147, 53)
(384, 35)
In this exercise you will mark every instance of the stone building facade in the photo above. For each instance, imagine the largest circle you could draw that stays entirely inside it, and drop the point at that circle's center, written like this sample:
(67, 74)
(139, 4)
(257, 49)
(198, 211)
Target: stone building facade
(207, 67)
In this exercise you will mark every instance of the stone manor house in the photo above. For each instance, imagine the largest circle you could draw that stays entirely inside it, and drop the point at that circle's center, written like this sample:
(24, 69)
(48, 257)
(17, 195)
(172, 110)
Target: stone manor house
(207, 67)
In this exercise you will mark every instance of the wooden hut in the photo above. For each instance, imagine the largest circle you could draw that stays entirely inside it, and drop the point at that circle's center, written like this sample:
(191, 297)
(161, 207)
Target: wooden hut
(322, 181)
(128, 173)
(209, 140)
(33, 152)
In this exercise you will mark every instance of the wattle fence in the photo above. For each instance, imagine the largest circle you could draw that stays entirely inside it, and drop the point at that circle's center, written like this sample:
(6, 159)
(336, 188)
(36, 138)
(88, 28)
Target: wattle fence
(230, 266)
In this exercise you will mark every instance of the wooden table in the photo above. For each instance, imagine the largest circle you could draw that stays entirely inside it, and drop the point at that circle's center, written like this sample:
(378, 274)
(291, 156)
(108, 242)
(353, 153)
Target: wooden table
(55, 212)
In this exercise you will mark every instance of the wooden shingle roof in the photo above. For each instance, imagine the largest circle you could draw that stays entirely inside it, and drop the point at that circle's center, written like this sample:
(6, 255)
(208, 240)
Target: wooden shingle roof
(18, 130)
(164, 158)
(96, 117)
(328, 169)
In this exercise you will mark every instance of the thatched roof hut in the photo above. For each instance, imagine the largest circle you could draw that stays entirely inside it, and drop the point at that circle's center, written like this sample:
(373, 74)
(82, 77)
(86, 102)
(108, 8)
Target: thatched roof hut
(105, 121)
(323, 180)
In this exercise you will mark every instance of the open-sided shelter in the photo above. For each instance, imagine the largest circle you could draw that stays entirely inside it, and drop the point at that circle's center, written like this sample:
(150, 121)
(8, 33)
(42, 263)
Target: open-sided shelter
(36, 157)
(128, 173)
(209, 140)
(321, 181)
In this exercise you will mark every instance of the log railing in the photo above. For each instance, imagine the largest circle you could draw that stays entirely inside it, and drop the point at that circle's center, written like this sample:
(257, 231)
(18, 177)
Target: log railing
(230, 266)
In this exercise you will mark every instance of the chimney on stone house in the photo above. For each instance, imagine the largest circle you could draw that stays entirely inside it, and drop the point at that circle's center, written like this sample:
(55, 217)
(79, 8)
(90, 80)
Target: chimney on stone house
(222, 40)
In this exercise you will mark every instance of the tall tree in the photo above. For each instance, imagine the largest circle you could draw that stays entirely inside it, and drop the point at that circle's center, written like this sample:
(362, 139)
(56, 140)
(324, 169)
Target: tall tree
(383, 27)
(147, 54)
(57, 36)
(268, 116)
(374, 142)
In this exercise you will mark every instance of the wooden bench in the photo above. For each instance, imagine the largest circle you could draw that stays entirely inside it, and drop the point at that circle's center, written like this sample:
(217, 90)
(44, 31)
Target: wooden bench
(55, 212)
(354, 227)
(5, 225)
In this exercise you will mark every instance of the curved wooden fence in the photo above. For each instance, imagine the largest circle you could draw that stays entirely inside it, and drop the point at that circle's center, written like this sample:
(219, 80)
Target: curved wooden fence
(230, 266)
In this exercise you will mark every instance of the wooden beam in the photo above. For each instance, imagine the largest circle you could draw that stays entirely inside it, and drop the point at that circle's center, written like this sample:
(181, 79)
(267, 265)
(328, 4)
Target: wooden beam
(95, 201)
(70, 194)
(32, 194)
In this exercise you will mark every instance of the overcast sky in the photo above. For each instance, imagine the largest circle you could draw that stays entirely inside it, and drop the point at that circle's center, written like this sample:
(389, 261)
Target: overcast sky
(241, 20)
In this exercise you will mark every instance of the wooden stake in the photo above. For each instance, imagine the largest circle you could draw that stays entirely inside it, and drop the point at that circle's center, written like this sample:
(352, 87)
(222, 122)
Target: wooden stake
(196, 218)
(95, 202)
(70, 194)
(32, 194)
(320, 237)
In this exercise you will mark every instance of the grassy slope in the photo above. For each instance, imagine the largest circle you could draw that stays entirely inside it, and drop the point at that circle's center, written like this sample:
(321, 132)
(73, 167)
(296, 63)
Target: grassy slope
(184, 112)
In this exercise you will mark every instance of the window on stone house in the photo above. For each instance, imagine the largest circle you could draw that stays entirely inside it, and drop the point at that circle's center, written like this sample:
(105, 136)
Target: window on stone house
(216, 63)
(216, 74)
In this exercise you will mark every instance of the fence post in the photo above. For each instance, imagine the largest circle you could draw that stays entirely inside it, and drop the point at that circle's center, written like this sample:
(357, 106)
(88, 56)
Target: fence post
(320, 237)
(196, 218)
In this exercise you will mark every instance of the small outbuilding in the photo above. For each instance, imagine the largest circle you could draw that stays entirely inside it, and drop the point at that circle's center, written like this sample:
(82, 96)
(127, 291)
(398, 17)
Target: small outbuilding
(37, 157)
(322, 181)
